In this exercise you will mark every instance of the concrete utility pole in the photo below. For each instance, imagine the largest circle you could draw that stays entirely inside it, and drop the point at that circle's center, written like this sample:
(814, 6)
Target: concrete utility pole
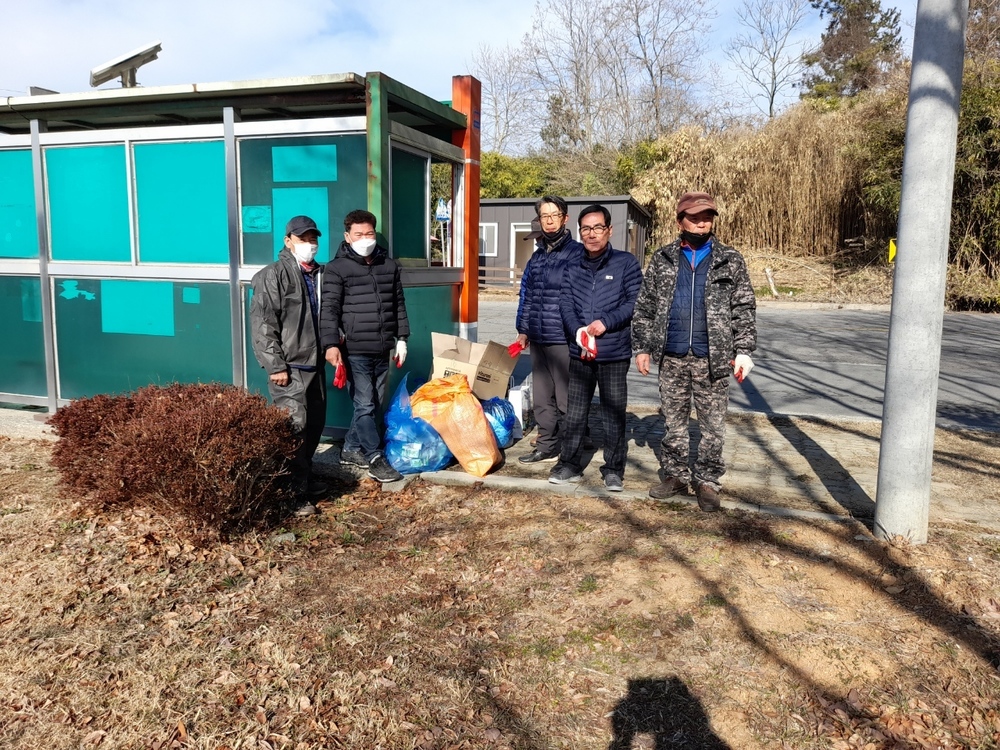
(912, 368)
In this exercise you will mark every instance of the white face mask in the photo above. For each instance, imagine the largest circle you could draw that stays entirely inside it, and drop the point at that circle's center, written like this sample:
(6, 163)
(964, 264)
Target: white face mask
(304, 252)
(363, 247)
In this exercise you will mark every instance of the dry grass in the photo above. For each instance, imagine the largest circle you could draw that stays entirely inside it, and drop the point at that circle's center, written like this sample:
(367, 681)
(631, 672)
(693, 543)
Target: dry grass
(789, 188)
(469, 618)
(818, 280)
(972, 289)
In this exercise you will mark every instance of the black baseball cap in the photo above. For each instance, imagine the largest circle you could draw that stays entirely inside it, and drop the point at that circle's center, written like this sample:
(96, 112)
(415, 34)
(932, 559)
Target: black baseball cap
(299, 225)
(536, 230)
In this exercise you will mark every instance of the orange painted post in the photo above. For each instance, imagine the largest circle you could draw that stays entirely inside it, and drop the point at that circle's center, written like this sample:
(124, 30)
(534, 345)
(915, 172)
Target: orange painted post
(465, 97)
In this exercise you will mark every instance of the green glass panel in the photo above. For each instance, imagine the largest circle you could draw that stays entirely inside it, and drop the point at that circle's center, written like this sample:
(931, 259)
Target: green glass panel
(22, 356)
(304, 163)
(314, 202)
(96, 356)
(338, 406)
(88, 203)
(302, 166)
(410, 212)
(146, 309)
(18, 226)
(429, 308)
(181, 201)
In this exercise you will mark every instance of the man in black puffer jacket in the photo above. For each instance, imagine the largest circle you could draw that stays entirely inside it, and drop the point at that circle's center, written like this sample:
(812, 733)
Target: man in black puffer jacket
(363, 318)
(598, 294)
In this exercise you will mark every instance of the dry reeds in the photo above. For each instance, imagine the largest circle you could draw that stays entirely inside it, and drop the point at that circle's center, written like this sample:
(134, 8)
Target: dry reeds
(792, 187)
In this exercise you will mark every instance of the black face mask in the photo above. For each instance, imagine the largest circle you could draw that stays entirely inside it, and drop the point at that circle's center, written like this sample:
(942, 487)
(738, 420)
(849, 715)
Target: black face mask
(552, 237)
(695, 240)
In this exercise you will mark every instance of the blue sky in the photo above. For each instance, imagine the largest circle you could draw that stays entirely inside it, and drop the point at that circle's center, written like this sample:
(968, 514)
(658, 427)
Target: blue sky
(55, 43)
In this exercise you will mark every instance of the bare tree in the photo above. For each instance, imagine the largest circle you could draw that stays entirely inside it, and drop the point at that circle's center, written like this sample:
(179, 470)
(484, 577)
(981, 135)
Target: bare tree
(562, 50)
(661, 44)
(594, 74)
(764, 52)
(983, 33)
(507, 119)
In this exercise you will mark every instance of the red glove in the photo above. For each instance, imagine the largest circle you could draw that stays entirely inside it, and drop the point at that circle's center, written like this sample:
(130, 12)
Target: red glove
(340, 377)
(738, 374)
(587, 344)
(516, 348)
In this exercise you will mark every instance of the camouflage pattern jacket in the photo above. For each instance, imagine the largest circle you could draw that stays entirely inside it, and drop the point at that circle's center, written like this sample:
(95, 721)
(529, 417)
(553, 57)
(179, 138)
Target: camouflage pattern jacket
(730, 306)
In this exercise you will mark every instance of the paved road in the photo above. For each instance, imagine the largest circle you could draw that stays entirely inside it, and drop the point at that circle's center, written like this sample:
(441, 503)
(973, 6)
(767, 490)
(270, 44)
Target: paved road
(831, 362)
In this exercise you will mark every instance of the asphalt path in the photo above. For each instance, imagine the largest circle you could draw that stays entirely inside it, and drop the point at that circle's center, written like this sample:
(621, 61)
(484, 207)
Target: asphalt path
(829, 361)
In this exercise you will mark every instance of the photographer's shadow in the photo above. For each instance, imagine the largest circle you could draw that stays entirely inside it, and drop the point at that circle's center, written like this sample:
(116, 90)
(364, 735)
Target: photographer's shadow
(665, 709)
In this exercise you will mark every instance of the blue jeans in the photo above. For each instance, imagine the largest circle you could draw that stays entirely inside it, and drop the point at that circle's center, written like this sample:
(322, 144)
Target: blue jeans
(366, 379)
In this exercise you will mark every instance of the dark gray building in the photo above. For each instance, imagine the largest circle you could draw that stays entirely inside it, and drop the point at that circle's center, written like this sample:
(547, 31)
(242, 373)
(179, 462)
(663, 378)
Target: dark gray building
(504, 222)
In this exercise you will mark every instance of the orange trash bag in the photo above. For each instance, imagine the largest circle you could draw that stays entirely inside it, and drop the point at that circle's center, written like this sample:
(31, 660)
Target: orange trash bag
(451, 408)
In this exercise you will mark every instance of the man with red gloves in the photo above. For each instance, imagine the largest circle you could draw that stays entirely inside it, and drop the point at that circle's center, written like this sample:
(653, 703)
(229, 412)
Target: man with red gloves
(284, 332)
(696, 316)
(363, 323)
(540, 328)
(598, 293)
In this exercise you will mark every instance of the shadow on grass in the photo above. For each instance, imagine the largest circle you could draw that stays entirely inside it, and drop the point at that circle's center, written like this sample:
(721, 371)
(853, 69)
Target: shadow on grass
(665, 709)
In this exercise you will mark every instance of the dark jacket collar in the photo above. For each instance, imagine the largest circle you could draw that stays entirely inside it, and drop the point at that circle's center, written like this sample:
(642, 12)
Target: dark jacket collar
(602, 259)
(287, 256)
(557, 245)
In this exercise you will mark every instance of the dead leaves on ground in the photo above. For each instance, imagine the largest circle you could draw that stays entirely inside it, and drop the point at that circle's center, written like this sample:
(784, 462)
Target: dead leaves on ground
(455, 617)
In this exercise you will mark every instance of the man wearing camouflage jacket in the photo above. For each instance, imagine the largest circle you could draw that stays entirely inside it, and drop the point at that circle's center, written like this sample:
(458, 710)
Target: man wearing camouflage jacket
(696, 316)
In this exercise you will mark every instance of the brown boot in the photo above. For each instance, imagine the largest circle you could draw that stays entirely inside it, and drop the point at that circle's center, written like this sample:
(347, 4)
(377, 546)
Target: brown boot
(708, 498)
(668, 488)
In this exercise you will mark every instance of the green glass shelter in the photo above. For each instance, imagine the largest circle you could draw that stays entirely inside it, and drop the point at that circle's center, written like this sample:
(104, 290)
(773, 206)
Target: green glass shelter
(132, 220)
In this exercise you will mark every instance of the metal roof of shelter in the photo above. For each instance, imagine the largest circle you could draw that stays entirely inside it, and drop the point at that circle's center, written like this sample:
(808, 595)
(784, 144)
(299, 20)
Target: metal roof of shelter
(331, 95)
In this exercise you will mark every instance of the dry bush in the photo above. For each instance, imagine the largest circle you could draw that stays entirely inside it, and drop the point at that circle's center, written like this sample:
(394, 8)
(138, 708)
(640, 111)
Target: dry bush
(788, 187)
(213, 455)
(972, 289)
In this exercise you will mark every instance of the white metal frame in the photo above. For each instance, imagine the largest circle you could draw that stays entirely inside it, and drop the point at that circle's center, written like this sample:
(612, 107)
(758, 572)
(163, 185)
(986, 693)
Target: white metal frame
(515, 227)
(496, 239)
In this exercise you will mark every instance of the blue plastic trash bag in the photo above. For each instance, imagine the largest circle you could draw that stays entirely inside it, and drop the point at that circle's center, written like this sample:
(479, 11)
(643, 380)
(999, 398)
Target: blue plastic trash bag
(500, 414)
(411, 444)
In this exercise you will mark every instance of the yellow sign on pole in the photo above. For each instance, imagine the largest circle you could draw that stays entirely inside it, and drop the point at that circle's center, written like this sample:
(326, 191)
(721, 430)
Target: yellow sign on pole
(892, 249)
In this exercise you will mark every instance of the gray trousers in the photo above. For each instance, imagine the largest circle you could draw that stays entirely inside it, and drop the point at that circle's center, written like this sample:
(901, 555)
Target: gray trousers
(684, 380)
(304, 398)
(549, 393)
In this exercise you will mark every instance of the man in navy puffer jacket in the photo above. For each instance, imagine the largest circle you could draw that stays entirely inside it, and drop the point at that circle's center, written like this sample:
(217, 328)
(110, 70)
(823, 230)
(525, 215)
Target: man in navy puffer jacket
(539, 324)
(598, 294)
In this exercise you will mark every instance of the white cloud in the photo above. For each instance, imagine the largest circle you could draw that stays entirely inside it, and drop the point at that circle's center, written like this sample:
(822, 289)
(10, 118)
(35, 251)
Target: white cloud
(55, 43)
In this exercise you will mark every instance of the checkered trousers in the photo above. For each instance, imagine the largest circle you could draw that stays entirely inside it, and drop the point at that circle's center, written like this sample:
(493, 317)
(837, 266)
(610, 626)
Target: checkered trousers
(584, 378)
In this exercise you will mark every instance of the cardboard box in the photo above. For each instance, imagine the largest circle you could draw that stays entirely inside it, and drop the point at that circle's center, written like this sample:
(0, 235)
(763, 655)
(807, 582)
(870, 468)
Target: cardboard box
(487, 366)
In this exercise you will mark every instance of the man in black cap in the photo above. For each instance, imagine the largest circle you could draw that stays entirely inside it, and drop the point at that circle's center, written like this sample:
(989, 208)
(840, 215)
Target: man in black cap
(284, 318)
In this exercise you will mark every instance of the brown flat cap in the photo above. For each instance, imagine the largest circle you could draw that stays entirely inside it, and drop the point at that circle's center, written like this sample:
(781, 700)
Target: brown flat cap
(692, 203)
(536, 230)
